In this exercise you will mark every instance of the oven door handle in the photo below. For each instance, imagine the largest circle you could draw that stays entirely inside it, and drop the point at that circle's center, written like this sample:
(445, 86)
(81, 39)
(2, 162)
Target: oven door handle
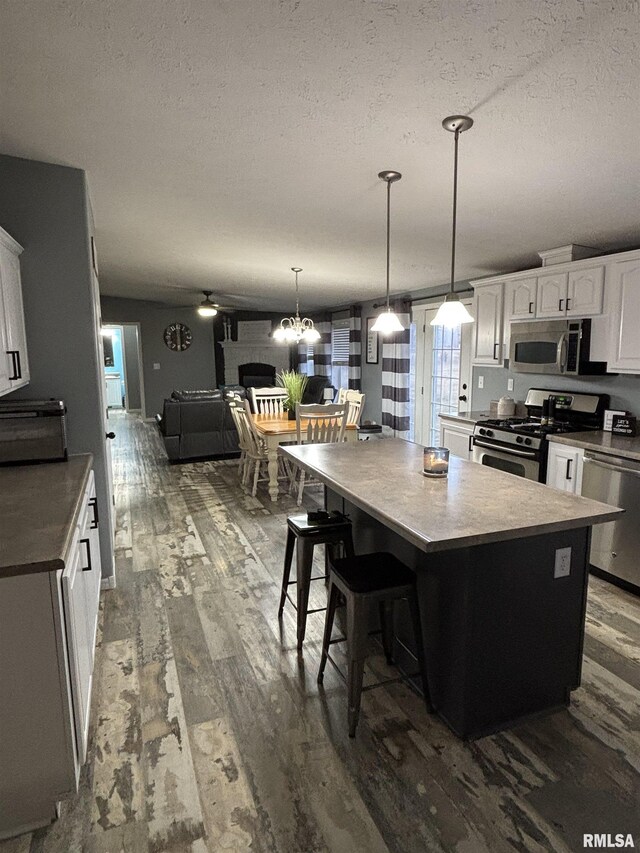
(562, 354)
(529, 454)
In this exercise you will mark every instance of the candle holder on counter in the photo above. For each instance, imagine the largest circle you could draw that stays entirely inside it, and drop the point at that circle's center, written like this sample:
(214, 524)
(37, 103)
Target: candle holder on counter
(436, 461)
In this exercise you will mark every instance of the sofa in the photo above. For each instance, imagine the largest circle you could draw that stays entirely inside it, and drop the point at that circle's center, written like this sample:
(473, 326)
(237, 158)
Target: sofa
(195, 424)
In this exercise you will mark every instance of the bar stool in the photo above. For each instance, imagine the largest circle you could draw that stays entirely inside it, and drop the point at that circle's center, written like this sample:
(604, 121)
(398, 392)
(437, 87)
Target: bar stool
(365, 580)
(305, 535)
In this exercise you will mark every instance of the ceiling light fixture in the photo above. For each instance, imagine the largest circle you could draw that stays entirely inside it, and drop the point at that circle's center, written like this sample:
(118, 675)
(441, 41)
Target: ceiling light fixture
(292, 330)
(207, 307)
(387, 322)
(452, 312)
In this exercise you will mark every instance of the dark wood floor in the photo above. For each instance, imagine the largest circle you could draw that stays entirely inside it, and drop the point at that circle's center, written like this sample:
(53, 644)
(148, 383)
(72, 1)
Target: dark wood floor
(209, 733)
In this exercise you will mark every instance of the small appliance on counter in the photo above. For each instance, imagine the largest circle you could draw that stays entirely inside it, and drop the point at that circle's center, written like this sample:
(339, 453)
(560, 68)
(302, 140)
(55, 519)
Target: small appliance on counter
(32, 431)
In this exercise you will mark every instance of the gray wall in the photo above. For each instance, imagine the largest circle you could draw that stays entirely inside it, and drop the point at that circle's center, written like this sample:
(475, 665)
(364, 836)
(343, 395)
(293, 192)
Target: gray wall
(624, 390)
(371, 373)
(45, 208)
(194, 368)
(132, 377)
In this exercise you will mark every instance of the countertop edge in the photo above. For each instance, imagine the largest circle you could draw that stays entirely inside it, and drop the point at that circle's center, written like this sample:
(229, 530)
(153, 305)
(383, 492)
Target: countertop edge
(428, 546)
(581, 439)
(57, 561)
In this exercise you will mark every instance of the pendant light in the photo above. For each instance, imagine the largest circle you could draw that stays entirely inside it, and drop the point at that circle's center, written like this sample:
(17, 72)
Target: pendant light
(388, 322)
(452, 312)
(207, 308)
(292, 330)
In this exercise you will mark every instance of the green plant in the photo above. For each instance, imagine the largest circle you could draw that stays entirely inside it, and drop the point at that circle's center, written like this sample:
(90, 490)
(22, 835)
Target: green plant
(294, 384)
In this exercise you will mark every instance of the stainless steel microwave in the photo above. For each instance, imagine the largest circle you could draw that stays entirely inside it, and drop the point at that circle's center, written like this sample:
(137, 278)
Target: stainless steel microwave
(553, 346)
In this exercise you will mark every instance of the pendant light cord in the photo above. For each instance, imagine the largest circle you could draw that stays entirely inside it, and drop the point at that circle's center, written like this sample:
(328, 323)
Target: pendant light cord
(297, 297)
(388, 235)
(455, 207)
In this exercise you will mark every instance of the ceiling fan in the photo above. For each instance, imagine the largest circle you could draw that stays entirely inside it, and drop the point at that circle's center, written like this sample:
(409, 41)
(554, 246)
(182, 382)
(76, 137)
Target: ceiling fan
(208, 307)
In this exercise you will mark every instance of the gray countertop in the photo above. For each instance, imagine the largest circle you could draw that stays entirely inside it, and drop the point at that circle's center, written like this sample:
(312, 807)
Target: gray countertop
(467, 417)
(39, 509)
(473, 505)
(602, 442)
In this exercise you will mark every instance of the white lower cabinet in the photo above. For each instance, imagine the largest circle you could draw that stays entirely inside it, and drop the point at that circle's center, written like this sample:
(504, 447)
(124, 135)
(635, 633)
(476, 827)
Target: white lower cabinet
(564, 467)
(47, 629)
(456, 436)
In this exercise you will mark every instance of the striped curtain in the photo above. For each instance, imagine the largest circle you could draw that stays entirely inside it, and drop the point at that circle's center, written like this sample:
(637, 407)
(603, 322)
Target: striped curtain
(355, 347)
(299, 357)
(395, 374)
(322, 350)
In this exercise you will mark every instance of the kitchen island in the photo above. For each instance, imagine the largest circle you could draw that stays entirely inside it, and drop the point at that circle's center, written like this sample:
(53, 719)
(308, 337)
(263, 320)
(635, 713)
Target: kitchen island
(502, 612)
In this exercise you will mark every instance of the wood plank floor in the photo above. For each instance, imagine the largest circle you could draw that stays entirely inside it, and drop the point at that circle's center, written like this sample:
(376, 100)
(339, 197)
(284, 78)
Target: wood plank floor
(209, 733)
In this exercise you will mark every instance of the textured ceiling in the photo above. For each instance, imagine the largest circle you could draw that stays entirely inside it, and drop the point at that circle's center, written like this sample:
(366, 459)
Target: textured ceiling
(228, 140)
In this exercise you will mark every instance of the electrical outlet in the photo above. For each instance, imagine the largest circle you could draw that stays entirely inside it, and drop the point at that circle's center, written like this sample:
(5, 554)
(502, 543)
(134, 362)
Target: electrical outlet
(563, 563)
(509, 384)
(480, 381)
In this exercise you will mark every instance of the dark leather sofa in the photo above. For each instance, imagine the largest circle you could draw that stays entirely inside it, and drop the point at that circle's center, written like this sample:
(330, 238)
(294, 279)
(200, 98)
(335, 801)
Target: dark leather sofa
(194, 424)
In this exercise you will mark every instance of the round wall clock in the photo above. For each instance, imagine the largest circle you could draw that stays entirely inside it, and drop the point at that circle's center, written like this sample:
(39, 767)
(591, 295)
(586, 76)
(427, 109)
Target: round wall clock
(178, 337)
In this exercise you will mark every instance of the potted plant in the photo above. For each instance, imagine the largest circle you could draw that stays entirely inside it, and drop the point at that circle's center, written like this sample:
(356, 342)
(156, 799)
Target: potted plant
(294, 384)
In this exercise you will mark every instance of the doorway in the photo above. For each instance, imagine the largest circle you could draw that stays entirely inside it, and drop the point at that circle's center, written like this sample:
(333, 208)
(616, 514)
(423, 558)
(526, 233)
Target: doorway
(443, 372)
(123, 367)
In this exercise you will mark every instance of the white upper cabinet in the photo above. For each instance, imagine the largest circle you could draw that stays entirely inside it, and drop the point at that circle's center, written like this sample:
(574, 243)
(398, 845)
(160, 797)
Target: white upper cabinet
(488, 315)
(14, 363)
(623, 285)
(585, 292)
(520, 299)
(552, 295)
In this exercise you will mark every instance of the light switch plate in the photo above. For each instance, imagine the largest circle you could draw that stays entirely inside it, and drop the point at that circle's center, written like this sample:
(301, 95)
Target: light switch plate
(480, 381)
(509, 384)
(156, 365)
(562, 566)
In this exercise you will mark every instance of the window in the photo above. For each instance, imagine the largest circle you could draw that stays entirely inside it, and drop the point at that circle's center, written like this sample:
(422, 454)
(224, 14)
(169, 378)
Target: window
(445, 377)
(340, 353)
(311, 369)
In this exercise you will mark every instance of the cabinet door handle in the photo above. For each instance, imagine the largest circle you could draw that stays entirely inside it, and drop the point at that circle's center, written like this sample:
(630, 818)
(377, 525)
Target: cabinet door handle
(568, 301)
(560, 301)
(567, 475)
(471, 443)
(17, 367)
(88, 567)
(531, 308)
(93, 503)
(495, 346)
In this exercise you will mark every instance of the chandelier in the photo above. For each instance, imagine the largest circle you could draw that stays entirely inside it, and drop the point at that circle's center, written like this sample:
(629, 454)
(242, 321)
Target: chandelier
(292, 330)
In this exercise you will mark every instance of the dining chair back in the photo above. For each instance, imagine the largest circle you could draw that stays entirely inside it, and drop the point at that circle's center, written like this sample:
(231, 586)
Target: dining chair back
(267, 401)
(355, 400)
(322, 424)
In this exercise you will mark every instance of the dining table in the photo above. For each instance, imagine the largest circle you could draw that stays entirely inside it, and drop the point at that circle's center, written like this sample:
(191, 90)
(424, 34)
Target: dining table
(278, 429)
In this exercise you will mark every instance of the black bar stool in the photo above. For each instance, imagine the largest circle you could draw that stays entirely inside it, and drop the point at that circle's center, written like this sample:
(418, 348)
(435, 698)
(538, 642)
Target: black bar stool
(365, 580)
(305, 535)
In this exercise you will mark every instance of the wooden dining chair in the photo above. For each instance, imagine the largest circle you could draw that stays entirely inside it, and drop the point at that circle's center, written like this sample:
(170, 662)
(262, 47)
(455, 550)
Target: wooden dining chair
(255, 448)
(318, 425)
(355, 400)
(268, 401)
(235, 402)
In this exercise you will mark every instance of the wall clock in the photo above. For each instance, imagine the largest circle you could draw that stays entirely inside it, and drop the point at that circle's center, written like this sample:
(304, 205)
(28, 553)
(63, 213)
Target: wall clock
(178, 337)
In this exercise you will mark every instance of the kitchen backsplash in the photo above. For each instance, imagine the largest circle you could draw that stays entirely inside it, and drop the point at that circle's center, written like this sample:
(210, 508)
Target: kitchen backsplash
(624, 390)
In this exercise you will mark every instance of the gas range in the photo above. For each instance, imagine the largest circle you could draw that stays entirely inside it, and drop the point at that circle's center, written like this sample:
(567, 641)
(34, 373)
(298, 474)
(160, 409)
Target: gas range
(519, 445)
(526, 432)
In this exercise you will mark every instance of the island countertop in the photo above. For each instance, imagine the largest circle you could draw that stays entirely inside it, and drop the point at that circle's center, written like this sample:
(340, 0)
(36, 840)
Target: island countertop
(39, 509)
(472, 506)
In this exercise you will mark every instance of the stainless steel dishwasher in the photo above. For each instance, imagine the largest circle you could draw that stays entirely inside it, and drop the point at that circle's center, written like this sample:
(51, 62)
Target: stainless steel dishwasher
(615, 546)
